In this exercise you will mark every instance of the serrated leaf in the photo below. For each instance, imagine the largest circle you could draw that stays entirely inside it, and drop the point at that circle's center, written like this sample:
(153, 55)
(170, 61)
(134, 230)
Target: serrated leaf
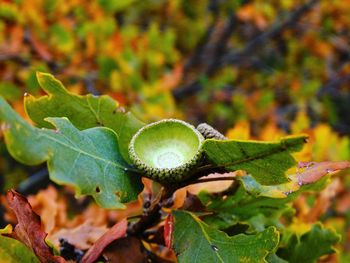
(83, 111)
(13, 251)
(194, 241)
(267, 162)
(89, 160)
(310, 246)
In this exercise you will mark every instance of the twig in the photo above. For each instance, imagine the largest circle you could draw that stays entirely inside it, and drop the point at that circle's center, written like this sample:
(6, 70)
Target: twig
(213, 179)
(153, 215)
(196, 58)
(221, 44)
(235, 57)
(275, 30)
(89, 82)
(35, 182)
(330, 87)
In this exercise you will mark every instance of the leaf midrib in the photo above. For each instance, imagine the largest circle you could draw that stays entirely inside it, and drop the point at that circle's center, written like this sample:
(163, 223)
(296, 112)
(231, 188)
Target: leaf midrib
(280, 148)
(108, 162)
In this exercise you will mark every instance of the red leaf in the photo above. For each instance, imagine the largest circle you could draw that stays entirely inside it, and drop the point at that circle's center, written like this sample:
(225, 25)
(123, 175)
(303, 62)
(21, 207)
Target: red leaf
(116, 232)
(29, 230)
(168, 230)
(314, 171)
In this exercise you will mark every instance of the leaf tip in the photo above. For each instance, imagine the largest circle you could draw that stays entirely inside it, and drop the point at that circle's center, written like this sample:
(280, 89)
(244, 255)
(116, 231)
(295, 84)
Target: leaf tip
(40, 74)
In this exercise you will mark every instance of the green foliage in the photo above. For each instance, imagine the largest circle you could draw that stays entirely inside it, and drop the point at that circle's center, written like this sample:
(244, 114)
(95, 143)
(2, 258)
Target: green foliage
(13, 251)
(194, 241)
(89, 160)
(265, 161)
(241, 224)
(242, 209)
(143, 53)
(247, 207)
(309, 246)
(82, 111)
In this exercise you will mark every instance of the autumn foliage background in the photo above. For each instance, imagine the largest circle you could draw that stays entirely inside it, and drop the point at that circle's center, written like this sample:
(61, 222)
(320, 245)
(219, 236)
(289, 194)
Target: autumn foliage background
(252, 69)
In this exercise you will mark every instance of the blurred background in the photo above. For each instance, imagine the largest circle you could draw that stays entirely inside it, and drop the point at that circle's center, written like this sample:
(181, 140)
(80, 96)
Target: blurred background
(252, 69)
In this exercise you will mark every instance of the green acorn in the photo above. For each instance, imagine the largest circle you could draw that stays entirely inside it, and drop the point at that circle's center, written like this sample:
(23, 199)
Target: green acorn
(209, 132)
(167, 150)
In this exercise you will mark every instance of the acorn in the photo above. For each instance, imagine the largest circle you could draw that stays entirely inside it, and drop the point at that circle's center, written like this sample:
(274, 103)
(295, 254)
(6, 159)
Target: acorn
(167, 151)
(209, 132)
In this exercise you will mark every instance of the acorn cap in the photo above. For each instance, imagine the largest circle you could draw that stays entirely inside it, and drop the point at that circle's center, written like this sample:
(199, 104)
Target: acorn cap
(209, 132)
(166, 150)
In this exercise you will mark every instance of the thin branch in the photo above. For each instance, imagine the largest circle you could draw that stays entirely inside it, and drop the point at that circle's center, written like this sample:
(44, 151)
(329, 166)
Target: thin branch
(221, 43)
(153, 215)
(330, 88)
(275, 30)
(196, 58)
(214, 179)
(235, 57)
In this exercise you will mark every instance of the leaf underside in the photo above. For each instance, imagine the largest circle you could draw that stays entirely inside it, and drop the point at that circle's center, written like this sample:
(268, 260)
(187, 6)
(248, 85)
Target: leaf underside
(194, 241)
(267, 162)
(89, 160)
(83, 111)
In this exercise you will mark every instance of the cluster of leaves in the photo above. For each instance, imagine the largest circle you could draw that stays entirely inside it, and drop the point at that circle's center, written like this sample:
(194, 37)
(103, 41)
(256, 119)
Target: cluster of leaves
(259, 64)
(84, 141)
(249, 59)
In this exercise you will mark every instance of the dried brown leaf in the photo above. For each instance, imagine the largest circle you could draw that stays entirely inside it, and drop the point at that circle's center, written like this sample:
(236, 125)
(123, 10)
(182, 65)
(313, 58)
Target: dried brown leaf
(29, 229)
(82, 236)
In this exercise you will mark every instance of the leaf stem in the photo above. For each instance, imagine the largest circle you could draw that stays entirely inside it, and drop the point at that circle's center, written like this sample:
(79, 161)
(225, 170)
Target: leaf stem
(153, 215)
(213, 179)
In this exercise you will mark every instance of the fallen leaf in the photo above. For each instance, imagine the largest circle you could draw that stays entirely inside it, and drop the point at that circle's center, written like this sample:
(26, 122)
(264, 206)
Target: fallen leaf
(116, 232)
(29, 229)
(127, 249)
(82, 236)
(46, 205)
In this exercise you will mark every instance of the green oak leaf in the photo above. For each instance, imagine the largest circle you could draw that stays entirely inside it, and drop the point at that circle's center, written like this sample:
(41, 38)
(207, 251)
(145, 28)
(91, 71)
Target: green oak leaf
(89, 160)
(194, 241)
(13, 251)
(242, 208)
(310, 246)
(254, 205)
(267, 162)
(83, 111)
